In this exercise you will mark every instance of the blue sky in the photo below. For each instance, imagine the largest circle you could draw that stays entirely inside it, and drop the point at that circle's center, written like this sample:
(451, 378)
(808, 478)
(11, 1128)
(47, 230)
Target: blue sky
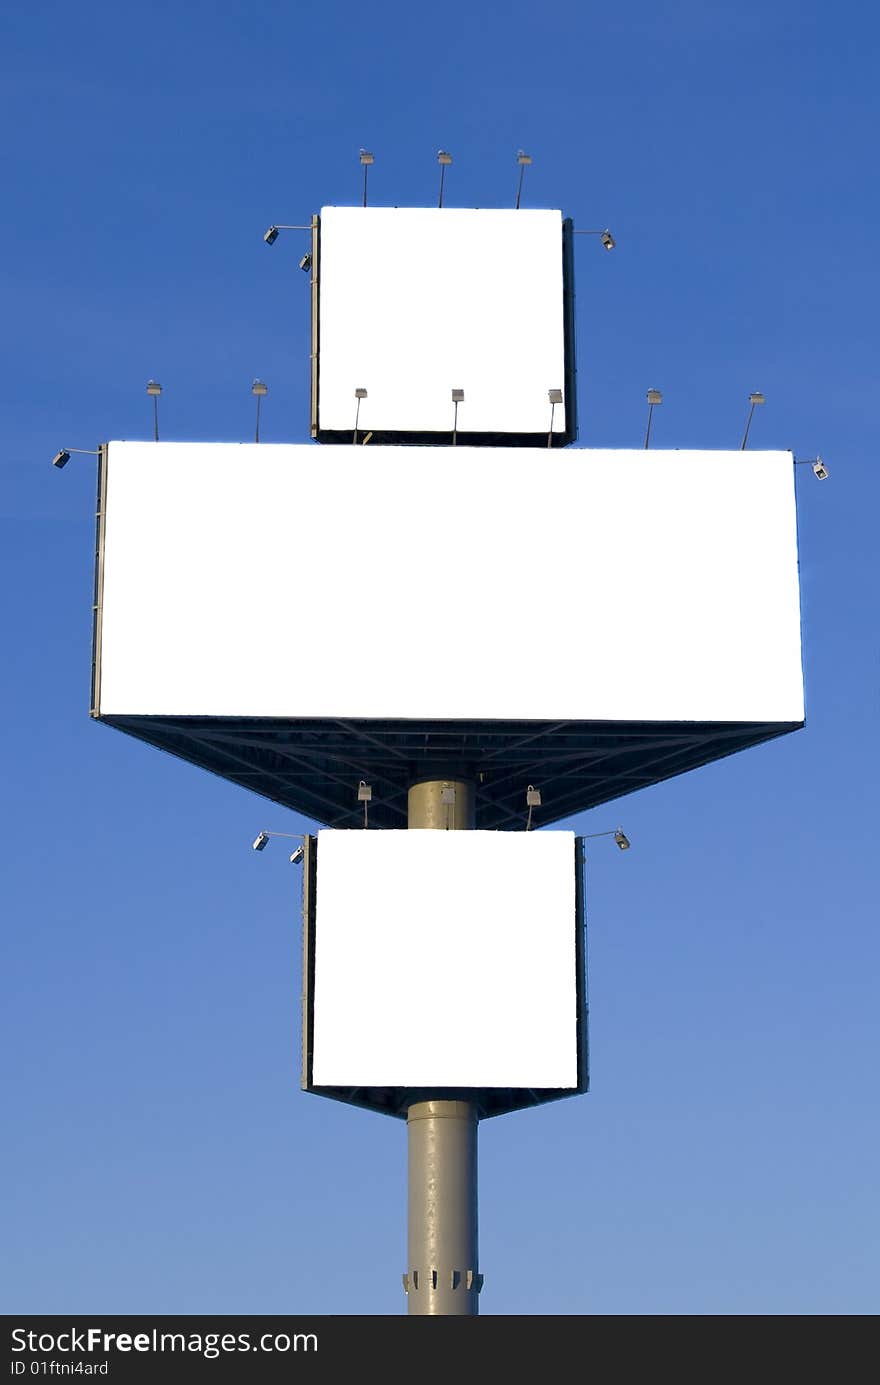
(159, 1156)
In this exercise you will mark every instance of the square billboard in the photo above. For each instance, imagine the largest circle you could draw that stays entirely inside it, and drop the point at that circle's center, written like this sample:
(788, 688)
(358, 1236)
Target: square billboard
(445, 960)
(434, 320)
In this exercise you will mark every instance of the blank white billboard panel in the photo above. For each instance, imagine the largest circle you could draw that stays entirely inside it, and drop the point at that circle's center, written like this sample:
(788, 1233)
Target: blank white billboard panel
(445, 959)
(449, 583)
(416, 302)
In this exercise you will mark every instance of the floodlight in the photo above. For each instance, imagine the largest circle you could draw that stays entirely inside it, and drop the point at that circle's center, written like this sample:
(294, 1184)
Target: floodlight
(154, 389)
(262, 839)
(533, 800)
(523, 160)
(457, 398)
(297, 855)
(63, 457)
(555, 397)
(359, 394)
(620, 837)
(654, 397)
(444, 160)
(820, 470)
(366, 160)
(755, 398)
(305, 263)
(606, 237)
(258, 389)
(271, 235)
(365, 796)
(447, 800)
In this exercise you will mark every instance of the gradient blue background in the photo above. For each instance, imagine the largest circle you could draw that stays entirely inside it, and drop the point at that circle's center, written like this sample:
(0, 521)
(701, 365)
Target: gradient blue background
(158, 1155)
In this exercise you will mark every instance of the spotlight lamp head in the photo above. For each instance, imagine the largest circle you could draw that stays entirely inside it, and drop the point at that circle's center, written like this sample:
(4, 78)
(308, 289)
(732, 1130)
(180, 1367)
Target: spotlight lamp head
(297, 855)
(820, 470)
(271, 235)
(259, 388)
(154, 389)
(555, 396)
(305, 263)
(261, 841)
(523, 159)
(360, 393)
(654, 397)
(444, 157)
(608, 240)
(366, 157)
(458, 396)
(622, 840)
(756, 398)
(63, 457)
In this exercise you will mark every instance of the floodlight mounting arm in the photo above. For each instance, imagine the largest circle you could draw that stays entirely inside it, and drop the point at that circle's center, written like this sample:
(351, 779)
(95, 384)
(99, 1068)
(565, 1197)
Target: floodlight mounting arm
(607, 239)
(62, 456)
(271, 235)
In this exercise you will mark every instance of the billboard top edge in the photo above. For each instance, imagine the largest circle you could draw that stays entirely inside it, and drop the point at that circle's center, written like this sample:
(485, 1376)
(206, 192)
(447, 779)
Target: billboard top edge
(521, 212)
(458, 836)
(266, 448)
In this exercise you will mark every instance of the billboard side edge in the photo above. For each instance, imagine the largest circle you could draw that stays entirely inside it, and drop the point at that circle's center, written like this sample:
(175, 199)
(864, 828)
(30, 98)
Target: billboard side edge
(98, 596)
(315, 362)
(583, 1005)
(569, 345)
(310, 871)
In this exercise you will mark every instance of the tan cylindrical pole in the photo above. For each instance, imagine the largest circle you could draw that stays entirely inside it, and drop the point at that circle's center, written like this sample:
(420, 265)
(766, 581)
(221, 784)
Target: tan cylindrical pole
(442, 1229)
(442, 1275)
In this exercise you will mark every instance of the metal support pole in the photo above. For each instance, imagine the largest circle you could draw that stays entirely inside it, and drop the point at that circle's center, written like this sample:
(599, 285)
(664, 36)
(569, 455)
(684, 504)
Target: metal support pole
(442, 1242)
(442, 1275)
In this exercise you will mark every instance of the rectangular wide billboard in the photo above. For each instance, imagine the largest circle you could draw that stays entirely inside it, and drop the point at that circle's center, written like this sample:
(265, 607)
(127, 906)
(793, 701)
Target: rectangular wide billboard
(445, 960)
(436, 583)
(414, 303)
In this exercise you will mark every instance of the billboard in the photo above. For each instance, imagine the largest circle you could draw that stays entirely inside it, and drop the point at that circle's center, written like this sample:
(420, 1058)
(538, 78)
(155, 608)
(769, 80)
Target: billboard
(448, 960)
(415, 303)
(439, 584)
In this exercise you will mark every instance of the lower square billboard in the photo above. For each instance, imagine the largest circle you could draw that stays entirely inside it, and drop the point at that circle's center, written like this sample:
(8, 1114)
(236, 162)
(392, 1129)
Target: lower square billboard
(444, 961)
